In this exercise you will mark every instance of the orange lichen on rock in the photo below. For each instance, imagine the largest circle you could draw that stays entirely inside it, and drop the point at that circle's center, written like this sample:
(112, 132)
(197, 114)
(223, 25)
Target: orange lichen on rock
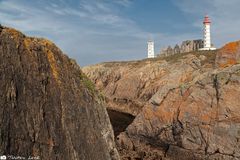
(45, 42)
(27, 42)
(232, 61)
(50, 55)
(231, 47)
(208, 117)
(53, 64)
(13, 33)
(228, 63)
(228, 55)
(148, 113)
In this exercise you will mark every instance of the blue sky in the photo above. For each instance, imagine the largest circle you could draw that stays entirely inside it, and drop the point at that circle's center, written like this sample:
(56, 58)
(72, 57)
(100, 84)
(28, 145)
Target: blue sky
(94, 31)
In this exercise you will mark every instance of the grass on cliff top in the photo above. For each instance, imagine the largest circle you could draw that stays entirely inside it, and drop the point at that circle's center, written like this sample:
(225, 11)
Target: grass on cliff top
(210, 59)
(88, 83)
(91, 88)
(210, 56)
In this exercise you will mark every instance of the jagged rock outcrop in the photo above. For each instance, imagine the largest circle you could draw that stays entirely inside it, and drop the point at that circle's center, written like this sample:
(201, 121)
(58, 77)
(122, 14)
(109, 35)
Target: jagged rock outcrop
(228, 55)
(48, 107)
(190, 110)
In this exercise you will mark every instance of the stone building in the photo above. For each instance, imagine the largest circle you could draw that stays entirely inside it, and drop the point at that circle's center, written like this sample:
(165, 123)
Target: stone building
(186, 46)
(176, 49)
(191, 45)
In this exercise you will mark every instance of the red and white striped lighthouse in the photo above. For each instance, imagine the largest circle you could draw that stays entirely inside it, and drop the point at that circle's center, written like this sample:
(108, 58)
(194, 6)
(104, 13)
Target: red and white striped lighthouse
(207, 34)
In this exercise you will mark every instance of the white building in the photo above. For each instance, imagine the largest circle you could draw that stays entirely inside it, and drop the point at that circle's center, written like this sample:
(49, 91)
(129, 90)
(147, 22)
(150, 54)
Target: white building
(207, 34)
(151, 49)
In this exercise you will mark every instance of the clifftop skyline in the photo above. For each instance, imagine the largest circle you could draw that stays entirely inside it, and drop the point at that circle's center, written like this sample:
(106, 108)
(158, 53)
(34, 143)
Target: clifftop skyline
(119, 29)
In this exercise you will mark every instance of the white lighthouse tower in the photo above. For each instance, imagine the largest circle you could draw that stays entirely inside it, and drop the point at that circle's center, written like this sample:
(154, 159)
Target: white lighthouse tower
(207, 34)
(151, 49)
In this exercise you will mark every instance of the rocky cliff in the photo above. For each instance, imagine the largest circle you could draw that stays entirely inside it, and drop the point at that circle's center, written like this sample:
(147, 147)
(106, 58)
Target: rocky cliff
(48, 108)
(185, 106)
(127, 86)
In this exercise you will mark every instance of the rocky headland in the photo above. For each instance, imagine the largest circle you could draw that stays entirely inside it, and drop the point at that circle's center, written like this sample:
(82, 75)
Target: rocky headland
(185, 106)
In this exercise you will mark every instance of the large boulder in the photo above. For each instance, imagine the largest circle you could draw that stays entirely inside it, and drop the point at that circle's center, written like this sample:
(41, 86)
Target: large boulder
(48, 108)
(228, 55)
(197, 120)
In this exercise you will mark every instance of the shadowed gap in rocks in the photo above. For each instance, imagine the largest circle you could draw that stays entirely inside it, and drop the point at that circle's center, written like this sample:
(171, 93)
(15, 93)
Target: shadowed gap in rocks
(119, 120)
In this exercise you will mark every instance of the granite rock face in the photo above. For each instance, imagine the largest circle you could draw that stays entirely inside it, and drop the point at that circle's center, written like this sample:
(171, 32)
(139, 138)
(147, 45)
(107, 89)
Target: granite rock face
(128, 86)
(48, 107)
(189, 107)
(228, 55)
(194, 120)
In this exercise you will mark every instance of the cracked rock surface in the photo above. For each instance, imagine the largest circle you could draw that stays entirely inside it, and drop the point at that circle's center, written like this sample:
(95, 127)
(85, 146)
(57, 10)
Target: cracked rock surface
(203, 122)
(190, 108)
(48, 108)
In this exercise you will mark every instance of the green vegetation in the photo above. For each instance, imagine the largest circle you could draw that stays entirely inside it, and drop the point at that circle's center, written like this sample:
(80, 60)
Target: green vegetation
(101, 96)
(210, 56)
(210, 59)
(88, 83)
(91, 88)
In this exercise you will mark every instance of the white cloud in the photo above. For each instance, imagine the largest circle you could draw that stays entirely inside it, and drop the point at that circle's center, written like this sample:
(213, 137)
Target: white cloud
(87, 31)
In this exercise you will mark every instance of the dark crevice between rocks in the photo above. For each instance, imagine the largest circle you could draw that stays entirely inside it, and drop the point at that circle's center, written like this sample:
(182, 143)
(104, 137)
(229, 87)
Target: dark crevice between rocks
(119, 121)
(1, 28)
(216, 86)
